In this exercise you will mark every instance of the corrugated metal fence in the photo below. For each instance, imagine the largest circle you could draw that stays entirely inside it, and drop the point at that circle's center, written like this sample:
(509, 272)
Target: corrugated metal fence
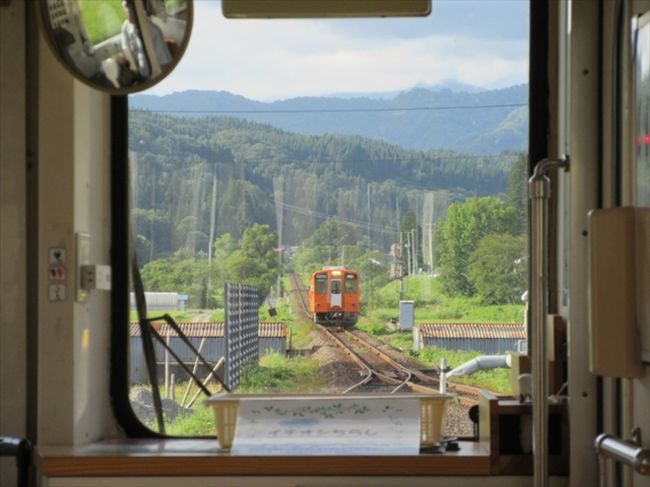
(488, 338)
(272, 338)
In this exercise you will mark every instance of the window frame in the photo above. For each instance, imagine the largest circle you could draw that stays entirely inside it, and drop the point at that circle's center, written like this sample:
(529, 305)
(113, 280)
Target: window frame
(350, 285)
(320, 284)
(120, 251)
(538, 140)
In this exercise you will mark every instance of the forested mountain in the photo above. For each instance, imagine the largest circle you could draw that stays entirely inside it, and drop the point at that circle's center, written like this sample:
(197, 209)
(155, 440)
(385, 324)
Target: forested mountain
(483, 122)
(195, 179)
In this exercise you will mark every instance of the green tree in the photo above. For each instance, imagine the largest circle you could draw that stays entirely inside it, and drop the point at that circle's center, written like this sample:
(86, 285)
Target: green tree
(409, 221)
(497, 269)
(223, 247)
(333, 233)
(327, 245)
(373, 268)
(260, 243)
(152, 227)
(458, 236)
(173, 274)
(256, 262)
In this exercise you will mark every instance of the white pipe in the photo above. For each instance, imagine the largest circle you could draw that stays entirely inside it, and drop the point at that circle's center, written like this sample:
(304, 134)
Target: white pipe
(482, 363)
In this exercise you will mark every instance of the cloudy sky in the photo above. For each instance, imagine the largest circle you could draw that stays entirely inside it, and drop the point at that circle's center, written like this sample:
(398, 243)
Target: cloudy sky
(483, 43)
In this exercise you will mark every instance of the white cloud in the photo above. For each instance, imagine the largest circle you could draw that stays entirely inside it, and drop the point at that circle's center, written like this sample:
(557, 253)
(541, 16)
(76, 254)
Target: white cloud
(276, 59)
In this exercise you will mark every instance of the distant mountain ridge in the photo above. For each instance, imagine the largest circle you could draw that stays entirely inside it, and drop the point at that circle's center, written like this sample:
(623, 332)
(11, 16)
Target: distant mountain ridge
(478, 122)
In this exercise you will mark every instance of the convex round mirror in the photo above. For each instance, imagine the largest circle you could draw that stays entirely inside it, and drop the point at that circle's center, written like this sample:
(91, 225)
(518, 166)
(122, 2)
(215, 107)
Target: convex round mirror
(118, 46)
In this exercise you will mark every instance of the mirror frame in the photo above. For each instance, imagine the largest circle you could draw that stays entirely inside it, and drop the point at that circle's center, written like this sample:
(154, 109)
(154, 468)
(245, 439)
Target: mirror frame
(46, 29)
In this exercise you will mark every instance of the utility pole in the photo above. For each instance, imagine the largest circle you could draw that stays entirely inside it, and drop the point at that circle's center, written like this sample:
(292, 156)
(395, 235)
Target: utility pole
(213, 213)
(408, 253)
(399, 266)
(411, 253)
(368, 215)
(414, 258)
(431, 247)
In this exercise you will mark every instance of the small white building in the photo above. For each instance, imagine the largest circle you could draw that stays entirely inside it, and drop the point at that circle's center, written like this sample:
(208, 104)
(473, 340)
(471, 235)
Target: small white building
(487, 338)
(162, 301)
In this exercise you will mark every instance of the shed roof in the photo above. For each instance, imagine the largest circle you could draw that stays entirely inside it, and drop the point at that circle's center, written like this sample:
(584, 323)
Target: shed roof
(211, 329)
(513, 331)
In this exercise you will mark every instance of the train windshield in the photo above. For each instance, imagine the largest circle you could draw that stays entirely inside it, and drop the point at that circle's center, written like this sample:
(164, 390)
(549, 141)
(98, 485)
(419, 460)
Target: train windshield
(336, 286)
(391, 151)
(321, 284)
(350, 283)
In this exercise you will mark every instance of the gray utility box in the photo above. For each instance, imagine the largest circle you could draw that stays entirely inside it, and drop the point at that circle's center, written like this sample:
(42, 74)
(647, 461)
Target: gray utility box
(406, 312)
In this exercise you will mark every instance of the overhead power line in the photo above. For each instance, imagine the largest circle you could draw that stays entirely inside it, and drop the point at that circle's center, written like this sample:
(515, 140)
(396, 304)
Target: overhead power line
(335, 110)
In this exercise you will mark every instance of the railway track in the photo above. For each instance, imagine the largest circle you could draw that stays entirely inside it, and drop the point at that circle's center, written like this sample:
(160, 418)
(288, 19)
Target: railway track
(299, 292)
(379, 371)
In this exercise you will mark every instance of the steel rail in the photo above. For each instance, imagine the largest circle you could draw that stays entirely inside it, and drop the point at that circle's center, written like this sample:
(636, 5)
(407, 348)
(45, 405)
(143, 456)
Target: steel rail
(467, 395)
(358, 359)
(365, 367)
(470, 391)
(385, 358)
(299, 286)
(369, 372)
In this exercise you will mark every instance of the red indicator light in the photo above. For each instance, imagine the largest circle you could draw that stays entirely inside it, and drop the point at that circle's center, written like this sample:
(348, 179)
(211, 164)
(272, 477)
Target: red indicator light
(647, 139)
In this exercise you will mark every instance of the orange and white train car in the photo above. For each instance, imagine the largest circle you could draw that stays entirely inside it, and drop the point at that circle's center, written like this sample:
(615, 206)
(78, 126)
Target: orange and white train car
(335, 296)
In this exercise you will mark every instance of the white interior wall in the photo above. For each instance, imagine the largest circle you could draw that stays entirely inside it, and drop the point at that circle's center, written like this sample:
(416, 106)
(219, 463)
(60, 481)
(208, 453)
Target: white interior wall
(74, 178)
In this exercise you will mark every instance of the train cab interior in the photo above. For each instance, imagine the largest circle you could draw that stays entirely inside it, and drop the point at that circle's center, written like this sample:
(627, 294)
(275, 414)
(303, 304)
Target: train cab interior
(60, 149)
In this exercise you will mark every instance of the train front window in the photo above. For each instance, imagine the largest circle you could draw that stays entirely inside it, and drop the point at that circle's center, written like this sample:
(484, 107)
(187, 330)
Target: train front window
(350, 283)
(389, 153)
(336, 286)
(321, 284)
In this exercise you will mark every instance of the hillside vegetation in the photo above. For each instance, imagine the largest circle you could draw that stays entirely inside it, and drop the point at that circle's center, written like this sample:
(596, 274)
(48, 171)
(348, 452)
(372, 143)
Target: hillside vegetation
(476, 121)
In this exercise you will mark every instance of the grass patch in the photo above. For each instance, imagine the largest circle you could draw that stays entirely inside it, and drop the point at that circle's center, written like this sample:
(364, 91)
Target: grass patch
(199, 423)
(374, 327)
(497, 380)
(277, 373)
(402, 340)
(217, 315)
(431, 304)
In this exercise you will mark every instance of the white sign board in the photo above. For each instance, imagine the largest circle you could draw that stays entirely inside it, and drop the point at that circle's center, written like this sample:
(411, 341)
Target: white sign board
(328, 427)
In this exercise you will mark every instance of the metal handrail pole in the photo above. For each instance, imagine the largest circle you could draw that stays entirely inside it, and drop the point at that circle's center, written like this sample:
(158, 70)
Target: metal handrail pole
(539, 191)
(626, 452)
